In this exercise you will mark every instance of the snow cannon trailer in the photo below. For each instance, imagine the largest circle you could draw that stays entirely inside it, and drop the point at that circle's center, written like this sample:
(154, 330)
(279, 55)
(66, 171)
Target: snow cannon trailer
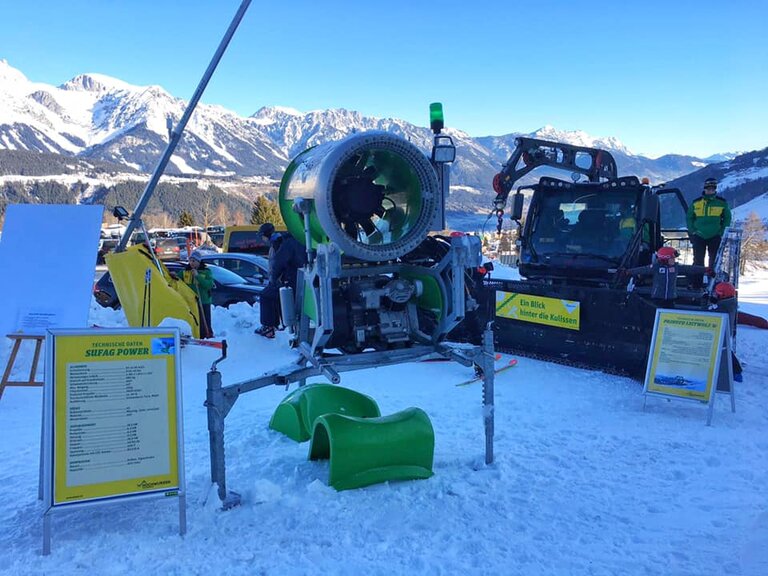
(578, 300)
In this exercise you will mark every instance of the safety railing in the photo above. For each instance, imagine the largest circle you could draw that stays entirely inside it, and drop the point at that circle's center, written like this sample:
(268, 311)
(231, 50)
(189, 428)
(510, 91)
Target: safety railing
(728, 259)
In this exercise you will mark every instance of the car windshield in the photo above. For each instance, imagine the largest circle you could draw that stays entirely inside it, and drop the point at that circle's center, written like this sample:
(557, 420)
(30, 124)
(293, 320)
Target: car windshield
(224, 276)
(247, 241)
(258, 261)
(217, 238)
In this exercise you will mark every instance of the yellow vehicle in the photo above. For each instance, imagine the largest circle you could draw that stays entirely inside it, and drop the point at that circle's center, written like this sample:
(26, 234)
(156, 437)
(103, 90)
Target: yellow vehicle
(245, 239)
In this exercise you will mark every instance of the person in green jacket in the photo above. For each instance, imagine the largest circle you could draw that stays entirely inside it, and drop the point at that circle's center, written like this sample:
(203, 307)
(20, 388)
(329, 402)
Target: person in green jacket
(198, 277)
(708, 217)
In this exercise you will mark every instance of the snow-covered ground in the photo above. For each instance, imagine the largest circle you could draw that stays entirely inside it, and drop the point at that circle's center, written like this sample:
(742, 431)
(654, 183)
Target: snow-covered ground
(584, 483)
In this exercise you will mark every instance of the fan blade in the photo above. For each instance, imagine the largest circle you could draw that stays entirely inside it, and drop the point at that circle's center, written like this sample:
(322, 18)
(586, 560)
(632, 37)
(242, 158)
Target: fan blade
(350, 228)
(368, 227)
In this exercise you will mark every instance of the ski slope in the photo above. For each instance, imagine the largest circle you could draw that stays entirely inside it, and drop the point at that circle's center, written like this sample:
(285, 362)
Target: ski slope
(584, 483)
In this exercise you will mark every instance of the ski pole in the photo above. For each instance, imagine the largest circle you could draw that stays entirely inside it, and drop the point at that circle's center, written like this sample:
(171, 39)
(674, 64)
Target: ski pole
(149, 297)
(147, 277)
(203, 321)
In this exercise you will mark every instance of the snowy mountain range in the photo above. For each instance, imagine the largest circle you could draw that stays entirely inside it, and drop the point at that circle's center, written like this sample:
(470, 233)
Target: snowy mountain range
(743, 180)
(94, 116)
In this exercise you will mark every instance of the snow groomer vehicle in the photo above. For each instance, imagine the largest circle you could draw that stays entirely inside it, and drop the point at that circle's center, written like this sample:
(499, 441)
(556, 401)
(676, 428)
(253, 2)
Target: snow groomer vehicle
(575, 302)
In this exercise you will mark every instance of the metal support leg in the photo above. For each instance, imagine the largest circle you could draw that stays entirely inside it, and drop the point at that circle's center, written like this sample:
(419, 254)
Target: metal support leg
(488, 382)
(215, 402)
(726, 357)
(219, 399)
(182, 514)
(41, 468)
(47, 533)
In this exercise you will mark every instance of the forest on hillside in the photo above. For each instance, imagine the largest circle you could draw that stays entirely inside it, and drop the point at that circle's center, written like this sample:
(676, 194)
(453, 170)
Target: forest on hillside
(33, 163)
(206, 206)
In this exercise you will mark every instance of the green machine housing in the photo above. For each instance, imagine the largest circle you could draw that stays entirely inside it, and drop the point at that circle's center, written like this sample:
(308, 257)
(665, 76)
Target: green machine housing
(364, 208)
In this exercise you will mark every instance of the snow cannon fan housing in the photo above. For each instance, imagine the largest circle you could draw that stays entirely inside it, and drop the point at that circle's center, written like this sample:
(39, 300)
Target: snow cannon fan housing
(374, 195)
(375, 279)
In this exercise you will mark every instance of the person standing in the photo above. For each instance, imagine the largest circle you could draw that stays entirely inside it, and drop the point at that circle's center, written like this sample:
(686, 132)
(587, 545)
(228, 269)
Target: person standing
(200, 279)
(286, 256)
(708, 217)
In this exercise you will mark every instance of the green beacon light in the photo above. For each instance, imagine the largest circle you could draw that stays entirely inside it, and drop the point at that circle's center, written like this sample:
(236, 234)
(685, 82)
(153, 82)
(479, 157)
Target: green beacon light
(436, 121)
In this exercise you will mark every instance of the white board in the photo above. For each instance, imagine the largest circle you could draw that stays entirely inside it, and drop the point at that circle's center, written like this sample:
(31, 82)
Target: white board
(47, 262)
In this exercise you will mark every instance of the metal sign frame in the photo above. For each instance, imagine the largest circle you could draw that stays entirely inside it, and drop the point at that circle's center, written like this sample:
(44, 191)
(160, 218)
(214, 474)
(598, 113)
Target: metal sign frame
(51, 402)
(715, 376)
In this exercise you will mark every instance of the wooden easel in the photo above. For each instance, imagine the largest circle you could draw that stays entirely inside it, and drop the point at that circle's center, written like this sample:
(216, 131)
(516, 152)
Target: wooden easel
(17, 340)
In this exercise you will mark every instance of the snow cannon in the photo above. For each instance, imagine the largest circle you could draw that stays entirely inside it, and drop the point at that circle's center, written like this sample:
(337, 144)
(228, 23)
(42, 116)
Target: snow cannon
(375, 278)
(373, 194)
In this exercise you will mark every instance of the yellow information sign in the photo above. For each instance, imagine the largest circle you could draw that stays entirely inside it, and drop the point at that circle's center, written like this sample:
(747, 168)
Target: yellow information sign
(114, 415)
(685, 354)
(539, 309)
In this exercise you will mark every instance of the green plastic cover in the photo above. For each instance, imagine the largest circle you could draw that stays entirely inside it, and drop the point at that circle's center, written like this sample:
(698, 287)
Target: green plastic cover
(296, 414)
(365, 451)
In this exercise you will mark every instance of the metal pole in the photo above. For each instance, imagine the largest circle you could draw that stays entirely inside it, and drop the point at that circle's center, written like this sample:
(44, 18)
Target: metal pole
(182, 514)
(216, 431)
(217, 412)
(488, 392)
(175, 135)
(47, 533)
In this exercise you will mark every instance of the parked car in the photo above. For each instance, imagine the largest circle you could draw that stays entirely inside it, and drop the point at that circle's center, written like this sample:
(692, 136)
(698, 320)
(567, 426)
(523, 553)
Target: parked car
(167, 248)
(141, 238)
(217, 238)
(216, 234)
(106, 246)
(204, 249)
(228, 289)
(255, 269)
(195, 235)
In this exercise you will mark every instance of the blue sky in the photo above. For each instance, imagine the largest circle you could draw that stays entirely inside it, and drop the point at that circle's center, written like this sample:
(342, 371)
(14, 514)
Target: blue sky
(662, 76)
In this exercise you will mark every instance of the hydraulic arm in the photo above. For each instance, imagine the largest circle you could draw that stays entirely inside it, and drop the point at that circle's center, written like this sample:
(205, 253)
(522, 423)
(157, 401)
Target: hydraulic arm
(530, 153)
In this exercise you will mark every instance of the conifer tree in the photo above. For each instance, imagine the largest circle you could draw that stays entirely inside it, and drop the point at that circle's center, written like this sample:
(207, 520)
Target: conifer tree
(185, 219)
(265, 210)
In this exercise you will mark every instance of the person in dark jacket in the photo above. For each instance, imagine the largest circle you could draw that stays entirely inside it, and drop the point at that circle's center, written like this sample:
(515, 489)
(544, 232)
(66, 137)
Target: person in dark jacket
(708, 217)
(286, 256)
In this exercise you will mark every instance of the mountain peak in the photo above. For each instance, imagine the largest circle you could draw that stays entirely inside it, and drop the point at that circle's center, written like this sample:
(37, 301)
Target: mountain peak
(95, 83)
(723, 156)
(287, 110)
(272, 112)
(9, 74)
(579, 138)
